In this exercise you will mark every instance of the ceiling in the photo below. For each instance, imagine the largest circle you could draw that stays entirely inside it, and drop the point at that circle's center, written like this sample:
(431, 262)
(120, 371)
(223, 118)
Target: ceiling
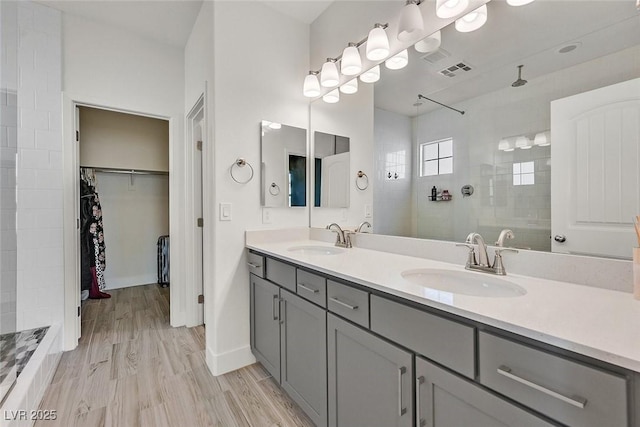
(530, 35)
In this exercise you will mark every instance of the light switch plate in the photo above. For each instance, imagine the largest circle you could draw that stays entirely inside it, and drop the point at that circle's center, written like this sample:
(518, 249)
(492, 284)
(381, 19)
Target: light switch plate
(367, 211)
(225, 211)
(266, 216)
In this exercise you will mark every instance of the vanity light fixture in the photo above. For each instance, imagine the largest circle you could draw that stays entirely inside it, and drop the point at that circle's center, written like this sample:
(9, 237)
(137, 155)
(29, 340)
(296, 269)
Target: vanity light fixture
(506, 144)
(523, 143)
(351, 63)
(411, 22)
(329, 74)
(472, 20)
(332, 97)
(398, 61)
(542, 139)
(518, 2)
(311, 87)
(350, 87)
(275, 125)
(429, 44)
(371, 76)
(377, 43)
(450, 8)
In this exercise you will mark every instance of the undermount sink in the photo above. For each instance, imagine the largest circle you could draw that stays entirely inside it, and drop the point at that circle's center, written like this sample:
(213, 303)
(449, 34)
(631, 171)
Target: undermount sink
(462, 282)
(316, 250)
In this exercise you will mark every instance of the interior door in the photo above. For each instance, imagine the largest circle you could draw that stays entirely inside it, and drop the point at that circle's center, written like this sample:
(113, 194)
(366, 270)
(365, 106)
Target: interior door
(595, 175)
(335, 172)
(198, 210)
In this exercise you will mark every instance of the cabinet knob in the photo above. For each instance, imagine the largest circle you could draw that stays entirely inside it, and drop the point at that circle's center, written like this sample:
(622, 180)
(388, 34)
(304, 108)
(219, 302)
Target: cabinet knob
(560, 238)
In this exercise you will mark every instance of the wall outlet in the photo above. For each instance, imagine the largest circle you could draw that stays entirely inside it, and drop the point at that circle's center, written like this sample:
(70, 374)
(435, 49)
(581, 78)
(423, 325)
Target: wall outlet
(368, 211)
(225, 211)
(266, 216)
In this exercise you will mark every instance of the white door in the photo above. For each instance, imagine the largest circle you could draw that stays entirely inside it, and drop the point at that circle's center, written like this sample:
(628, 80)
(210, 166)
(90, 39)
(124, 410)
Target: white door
(335, 179)
(595, 171)
(198, 241)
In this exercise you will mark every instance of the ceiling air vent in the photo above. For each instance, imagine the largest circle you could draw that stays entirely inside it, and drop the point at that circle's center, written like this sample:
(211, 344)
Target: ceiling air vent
(455, 69)
(436, 56)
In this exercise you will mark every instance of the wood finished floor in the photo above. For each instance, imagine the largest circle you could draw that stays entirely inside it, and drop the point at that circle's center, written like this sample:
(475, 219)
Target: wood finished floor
(131, 368)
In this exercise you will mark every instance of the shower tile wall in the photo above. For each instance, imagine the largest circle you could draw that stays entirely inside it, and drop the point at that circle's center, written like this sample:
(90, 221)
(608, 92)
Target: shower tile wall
(40, 222)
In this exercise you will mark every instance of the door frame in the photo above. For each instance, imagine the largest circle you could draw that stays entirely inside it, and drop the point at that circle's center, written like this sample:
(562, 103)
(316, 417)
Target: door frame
(194, 310)
(71, 233)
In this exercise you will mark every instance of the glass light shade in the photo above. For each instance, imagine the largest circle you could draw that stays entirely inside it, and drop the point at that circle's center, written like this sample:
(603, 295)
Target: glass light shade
(472, 20)
(542, 139)
(450, 8)
(332, 97)
(523, 142)
(518, 2)
(411, 23)
(505, 145)
(275, 126)
(377, 44)
(311, 87)
(351, 64)
(329, 74)
(430, 43)
(350, 87)
(371, 76)
(398, 61)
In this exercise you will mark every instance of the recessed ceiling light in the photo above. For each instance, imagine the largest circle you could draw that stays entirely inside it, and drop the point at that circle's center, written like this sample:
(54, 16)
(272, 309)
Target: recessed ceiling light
(569, 48)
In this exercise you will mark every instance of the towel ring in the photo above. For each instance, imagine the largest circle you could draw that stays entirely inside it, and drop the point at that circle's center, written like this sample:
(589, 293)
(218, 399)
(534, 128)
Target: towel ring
(362, 181)
(240, 162)
(274, 189)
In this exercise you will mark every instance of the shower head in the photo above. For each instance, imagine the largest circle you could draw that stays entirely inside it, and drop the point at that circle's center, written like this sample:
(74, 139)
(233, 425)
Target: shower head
(520, 81)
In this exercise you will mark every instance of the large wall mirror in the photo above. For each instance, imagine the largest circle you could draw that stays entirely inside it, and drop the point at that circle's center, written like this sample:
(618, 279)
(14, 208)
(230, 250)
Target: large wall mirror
(283, 165)
(500, 145)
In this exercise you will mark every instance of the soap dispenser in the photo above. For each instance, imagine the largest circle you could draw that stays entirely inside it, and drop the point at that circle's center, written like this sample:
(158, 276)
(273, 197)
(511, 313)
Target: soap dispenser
(434, 193)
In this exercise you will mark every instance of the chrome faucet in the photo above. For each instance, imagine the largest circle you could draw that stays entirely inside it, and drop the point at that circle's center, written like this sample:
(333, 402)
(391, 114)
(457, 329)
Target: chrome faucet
(363, 224)
(483, 264)
(343, 238)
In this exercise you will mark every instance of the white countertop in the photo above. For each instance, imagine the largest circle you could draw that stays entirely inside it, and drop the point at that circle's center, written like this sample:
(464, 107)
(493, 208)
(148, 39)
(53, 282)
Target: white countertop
(599, 323)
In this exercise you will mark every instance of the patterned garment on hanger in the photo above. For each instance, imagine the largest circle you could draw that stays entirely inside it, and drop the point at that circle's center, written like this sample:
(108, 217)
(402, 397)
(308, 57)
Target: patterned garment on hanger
(97, 231)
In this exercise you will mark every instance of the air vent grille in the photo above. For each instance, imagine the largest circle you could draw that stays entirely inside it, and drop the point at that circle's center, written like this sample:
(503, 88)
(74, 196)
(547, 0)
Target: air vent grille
(456, 69)
(436, 56)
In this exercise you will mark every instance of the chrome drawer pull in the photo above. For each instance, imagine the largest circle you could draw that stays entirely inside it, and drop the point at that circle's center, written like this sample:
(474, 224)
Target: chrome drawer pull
(344, 304)
(419, 421)
(252, 265)
(401, 409)
(308, 289)
(576, 401)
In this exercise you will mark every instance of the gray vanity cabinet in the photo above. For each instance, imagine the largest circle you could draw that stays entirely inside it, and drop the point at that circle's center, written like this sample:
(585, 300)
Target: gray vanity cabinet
(303, 346)
(370, 379)
(265, 324)
(447, 400)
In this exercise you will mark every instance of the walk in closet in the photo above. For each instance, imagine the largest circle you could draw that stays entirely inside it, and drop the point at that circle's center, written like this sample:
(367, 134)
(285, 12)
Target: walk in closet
(124, 198)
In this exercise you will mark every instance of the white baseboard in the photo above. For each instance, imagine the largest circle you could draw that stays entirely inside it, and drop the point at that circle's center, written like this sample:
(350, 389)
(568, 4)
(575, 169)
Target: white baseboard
(230, 361)
(127, 282)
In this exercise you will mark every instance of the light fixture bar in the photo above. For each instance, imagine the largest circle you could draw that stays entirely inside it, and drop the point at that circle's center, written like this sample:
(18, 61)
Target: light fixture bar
(440, 103)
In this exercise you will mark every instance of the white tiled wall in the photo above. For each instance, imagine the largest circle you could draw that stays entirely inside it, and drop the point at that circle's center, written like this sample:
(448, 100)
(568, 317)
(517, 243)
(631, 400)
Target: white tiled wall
(39, 176)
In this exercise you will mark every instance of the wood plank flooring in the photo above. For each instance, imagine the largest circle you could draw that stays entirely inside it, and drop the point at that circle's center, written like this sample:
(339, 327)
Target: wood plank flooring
(131, 368)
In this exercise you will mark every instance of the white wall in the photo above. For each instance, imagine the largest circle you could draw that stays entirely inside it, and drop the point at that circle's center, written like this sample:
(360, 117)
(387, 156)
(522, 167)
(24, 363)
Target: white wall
(40, 289)
(111, 67)
(393, 198)
(134, 216)
(256, 77)
(116, 140)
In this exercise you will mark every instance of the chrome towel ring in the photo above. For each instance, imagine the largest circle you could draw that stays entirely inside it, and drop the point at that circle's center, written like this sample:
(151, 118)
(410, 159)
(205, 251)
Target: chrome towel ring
(240, 163)
(362, 181)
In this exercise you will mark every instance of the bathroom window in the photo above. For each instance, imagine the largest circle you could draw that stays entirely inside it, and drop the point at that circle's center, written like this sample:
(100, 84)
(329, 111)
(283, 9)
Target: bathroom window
(436, 157)
(396, 165)
(523, 173)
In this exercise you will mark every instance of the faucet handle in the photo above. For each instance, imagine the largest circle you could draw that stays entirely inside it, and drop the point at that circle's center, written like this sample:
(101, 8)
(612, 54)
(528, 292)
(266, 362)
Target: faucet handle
(498, 266)
(471, 258)
(347, 238)
(501, 249)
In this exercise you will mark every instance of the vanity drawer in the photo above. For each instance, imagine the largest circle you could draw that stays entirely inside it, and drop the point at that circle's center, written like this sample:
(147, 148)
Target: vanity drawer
(444, 341)
(312, 287)
(281, 274)
(567, 391)
(348, 302)
(255, 263)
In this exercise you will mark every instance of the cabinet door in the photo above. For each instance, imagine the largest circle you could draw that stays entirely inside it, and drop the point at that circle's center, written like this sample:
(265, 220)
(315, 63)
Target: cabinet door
(265, 324)
(304, 355)
(446, 400)
(370, 380)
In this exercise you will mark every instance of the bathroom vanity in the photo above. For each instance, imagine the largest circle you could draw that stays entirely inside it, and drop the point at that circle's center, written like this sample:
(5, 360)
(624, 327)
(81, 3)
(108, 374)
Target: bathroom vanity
(356, 344)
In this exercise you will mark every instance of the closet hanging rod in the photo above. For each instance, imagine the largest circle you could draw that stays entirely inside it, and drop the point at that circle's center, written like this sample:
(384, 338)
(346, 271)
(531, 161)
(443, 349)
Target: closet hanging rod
(126, 171)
